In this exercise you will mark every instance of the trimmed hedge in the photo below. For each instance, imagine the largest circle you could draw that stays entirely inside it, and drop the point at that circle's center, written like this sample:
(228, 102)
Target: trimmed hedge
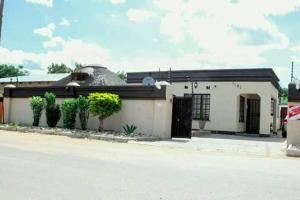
(52, 110)
(69, 111)
(37, 105)
(83, 108)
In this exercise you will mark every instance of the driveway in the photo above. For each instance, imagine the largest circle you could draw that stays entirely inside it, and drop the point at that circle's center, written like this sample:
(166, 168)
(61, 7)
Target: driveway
(273, 146)
(45, 167)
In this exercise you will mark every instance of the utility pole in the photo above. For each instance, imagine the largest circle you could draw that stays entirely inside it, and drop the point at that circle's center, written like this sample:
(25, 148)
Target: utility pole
(1, 16)
(292, 72)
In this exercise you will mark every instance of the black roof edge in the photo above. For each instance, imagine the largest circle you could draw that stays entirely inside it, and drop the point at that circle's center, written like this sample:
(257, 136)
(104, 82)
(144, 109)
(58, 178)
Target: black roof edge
(270, 76)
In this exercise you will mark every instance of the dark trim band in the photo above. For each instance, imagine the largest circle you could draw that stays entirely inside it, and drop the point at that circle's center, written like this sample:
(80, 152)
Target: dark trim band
(222, 75)
(125, 92)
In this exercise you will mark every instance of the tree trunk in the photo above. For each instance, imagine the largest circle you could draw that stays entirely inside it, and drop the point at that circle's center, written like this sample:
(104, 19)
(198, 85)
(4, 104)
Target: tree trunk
(101, 128)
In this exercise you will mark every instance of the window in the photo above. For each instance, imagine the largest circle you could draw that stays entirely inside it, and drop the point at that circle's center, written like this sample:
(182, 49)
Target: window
(242, 109)
(201, 104)
(272, 107)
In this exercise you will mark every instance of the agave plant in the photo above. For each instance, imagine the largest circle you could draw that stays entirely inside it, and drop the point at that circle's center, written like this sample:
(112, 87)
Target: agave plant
(129, 129)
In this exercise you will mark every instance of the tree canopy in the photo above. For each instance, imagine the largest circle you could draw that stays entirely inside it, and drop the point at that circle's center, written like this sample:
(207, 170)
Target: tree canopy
(11, 71)
(104, 105)
(78, 65)
(58, 69)
(122, 75)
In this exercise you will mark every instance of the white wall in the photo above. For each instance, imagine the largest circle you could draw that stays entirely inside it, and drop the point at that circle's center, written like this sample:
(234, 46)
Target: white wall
(152, 117)
(293, 127)
(224, 106)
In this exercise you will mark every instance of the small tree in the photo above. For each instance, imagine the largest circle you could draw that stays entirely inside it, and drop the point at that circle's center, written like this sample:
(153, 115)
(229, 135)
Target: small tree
(104, 105)
(52, 110)
(83, 107)
(58, 68)
(37, 106)
(69, 111)
(122, 75)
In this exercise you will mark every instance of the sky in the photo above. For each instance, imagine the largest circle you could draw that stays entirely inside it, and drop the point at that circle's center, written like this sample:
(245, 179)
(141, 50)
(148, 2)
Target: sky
(140, 35)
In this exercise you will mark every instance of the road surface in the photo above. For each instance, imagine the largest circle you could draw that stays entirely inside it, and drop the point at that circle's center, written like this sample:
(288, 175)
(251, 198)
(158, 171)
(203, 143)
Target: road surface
(43, 167)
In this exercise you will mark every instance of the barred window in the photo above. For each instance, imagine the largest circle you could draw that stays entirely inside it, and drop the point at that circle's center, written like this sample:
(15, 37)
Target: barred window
(242, 109)
(272, 107)
(201, 105)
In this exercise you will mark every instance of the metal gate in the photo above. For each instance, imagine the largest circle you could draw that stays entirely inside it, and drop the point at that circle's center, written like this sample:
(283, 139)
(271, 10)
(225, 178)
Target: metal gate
(182, 117)
(253, 115)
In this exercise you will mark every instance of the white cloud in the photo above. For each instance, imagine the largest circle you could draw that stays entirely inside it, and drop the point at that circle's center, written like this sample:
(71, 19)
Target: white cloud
(139, 15)
(212, 26)
(48, 3)
(117, 1)
(72, 51)
(53, 42)
(48, 32)
(45, 31)
(64, 22)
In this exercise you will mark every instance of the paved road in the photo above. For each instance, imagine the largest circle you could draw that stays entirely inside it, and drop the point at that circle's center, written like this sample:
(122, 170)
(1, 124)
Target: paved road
(54, 167)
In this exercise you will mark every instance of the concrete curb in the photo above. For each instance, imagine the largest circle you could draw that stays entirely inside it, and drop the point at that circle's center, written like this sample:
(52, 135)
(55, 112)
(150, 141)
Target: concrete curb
(77, 134)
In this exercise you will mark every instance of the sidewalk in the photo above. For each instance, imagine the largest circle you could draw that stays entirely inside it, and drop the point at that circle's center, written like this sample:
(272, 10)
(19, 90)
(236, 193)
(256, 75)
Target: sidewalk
(273, 146)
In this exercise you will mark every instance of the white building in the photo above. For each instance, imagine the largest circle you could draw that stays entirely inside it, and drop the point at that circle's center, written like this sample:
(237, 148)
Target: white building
(231, 100)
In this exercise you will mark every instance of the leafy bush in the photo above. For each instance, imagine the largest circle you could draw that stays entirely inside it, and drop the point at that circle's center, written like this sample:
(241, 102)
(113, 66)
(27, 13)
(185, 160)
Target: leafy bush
(83, 107)
(69, 111)
(104, 105)
(52, 110)
(37, 106)
(129, 129)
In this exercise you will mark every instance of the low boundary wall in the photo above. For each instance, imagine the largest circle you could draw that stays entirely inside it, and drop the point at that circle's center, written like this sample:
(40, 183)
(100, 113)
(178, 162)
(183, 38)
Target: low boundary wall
(148, 108)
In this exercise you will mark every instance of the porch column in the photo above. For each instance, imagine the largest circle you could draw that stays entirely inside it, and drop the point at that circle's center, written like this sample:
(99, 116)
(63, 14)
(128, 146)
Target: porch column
(265, 114)
(6, 109)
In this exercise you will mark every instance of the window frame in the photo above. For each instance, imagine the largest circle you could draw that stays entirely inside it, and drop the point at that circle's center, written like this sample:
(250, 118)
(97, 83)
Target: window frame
(199, 106)
(272, 107)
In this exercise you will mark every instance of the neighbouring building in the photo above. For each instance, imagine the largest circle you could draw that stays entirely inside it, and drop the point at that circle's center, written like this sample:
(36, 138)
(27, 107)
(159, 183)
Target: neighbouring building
(30, 81)
(27, 81)
(231, 100)
(91, 75)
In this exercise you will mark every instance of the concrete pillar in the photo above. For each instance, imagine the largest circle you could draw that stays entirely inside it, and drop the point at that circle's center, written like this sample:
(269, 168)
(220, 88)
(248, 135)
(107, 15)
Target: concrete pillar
(7, 109)
(162, 121)
(265, 114)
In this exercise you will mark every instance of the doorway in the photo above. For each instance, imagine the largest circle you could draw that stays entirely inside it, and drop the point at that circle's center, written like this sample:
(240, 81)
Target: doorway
(182, 117)
(253, 116)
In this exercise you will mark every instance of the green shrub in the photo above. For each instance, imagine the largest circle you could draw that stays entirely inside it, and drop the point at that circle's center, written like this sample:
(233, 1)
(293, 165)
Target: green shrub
(104, 105)
(37, 105)
(69, 111)
(52, 110)
(129, 129)
(83, 107)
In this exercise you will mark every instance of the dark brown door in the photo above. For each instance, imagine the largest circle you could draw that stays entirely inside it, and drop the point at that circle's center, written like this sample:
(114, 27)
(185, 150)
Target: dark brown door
(253, 115)
(182, 117)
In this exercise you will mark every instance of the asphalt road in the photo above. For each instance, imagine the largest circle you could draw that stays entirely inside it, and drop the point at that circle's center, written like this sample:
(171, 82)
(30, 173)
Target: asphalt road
(55, 167)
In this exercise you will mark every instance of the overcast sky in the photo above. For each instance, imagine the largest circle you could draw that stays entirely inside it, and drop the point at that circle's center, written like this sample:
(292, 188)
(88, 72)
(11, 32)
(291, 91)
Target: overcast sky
(136, 35)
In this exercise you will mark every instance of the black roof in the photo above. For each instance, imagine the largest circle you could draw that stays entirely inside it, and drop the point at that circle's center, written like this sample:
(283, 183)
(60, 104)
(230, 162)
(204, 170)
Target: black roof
(255, 74)
(92, 75)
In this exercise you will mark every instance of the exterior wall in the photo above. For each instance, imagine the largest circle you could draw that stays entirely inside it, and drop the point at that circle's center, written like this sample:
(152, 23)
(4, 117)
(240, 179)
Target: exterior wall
(293, 126)
(152, 117)
(224, 104)
(33, 84)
